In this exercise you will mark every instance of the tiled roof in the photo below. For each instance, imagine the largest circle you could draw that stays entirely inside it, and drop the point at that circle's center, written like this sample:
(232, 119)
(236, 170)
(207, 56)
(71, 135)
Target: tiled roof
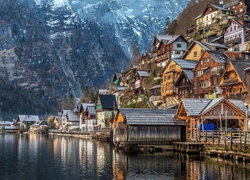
(202, 45)
(164, 37)
(85, 105)
(108, 101)
(72, 116)
(185, 64)
(92, 110)
(150, 117)
(212, 103)
(33, 118)
(216, 39)
(239, 104)
(143, 73)
(218, 6)
(189, 74)
(240, 66)
(219, 57)
(227, 5)
(194, 107)
(216, 45)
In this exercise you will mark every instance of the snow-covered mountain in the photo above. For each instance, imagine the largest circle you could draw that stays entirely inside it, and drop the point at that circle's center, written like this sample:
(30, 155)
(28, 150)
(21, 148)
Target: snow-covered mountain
(57, 46)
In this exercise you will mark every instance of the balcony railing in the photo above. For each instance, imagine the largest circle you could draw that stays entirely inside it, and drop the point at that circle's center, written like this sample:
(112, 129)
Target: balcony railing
(233, 41)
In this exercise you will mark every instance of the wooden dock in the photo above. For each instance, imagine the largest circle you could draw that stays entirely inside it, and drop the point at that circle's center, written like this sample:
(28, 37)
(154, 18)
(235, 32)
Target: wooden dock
(188, 147)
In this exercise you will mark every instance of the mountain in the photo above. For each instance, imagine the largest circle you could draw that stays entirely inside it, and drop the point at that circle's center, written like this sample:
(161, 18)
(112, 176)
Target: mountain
(53, 47)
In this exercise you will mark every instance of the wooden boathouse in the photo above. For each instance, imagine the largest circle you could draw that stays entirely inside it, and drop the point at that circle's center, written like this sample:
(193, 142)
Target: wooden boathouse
(147, 130)
(203, 115)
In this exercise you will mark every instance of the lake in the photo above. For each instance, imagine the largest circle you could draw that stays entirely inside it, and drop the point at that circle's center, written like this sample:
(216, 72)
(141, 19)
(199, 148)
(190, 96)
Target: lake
(48, 157)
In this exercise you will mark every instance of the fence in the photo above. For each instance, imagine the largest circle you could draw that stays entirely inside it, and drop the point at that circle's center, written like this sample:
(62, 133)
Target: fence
(227, 140)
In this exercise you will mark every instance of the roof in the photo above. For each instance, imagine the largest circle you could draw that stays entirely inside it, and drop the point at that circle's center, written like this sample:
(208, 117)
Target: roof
(202, 45)
(164, 37)
(150, 117)
(155, 87)
(218, 6)
(197, 107)
(219, 57)
(227, 5)
(188, 73)
(92, 110)
(185, 64)
(85, 105)
(108, 101)
(33, 118)
(216, 45)
(103, 91)
(240, 66)
(143, 73)
(216, 39)
(72, 116)
(194, 107)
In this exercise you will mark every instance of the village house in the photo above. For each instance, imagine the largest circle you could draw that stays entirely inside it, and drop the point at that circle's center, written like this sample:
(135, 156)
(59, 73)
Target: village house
(70, 119)
(87, 116)
(211, 114)
(137, 86)
(208, 72)
(170, 75)
(185, 84)
(236, 35)
(233, 82)
(170, 47)
(38, 127)
(26, 120)
(240, 8)
(136, 127)
(212, 13)
(106, 107)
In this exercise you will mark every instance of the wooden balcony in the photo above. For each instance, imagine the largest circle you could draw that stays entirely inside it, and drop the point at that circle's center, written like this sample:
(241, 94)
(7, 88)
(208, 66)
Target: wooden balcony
(233, 42)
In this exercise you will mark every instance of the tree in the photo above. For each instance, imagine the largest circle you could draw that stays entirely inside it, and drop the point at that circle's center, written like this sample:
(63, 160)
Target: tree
(69, 102)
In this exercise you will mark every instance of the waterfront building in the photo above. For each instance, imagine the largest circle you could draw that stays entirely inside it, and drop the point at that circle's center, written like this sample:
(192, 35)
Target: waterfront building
(218, 114)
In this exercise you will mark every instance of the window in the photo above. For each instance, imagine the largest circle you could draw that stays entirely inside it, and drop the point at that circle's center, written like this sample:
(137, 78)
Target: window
(241, 10)
(230, 29)
(179, 45)
(234, 27)
(195, 53)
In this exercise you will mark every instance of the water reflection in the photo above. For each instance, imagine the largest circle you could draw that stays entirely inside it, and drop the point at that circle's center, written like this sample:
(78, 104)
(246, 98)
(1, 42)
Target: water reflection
(54, 157)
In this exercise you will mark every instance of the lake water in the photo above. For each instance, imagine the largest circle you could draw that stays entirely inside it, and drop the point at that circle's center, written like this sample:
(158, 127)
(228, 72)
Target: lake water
(43, 157)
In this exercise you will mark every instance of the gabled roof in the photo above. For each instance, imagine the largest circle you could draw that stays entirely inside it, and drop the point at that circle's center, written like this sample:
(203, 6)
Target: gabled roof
(193, 106)
(218, 56)
(29, 118)
(150, 117)
(188, 73)
(198, 107)
(143, 73)
(155, 87)
(216, 45)
(85, 105)
(92, 110)
(239, 22)
(185, 64)
(72, 116)
(239, 66)
(108, 101)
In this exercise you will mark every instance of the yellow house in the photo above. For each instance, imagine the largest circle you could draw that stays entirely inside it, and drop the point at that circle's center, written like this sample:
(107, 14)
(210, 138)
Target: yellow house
(195, 51)
(211, 12)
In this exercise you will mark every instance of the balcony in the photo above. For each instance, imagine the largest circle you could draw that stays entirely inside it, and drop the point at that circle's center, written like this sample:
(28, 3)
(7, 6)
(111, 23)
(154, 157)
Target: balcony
(233, 41)
(217, 72)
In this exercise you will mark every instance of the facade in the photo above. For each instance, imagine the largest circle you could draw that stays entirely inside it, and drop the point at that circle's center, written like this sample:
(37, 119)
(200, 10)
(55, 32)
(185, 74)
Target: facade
(139, 82)
(211, 114)
(235, 34)
(170, 47)
(208, 72)
(26, 120)
(146, 126)
(105, 108)
(233, 83)
(185, 84)
(169, 77)
(87, 116)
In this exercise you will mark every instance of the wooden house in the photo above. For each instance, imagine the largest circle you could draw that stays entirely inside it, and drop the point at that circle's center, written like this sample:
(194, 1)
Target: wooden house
(233, 83)
(237, 55)
(170, 75)
(138, 85)
(213, 114)
(240, 8)
(105, 107)
(212, 13)
(171, 46)
(208, 72)
(118, 84)
(87, 116)
(155, 94)
(235, 34)
(134, 127)
(185, 84)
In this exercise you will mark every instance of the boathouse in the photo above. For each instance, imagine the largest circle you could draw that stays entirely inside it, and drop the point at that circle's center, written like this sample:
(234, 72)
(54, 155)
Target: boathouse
(211, 114)
(134, 127)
